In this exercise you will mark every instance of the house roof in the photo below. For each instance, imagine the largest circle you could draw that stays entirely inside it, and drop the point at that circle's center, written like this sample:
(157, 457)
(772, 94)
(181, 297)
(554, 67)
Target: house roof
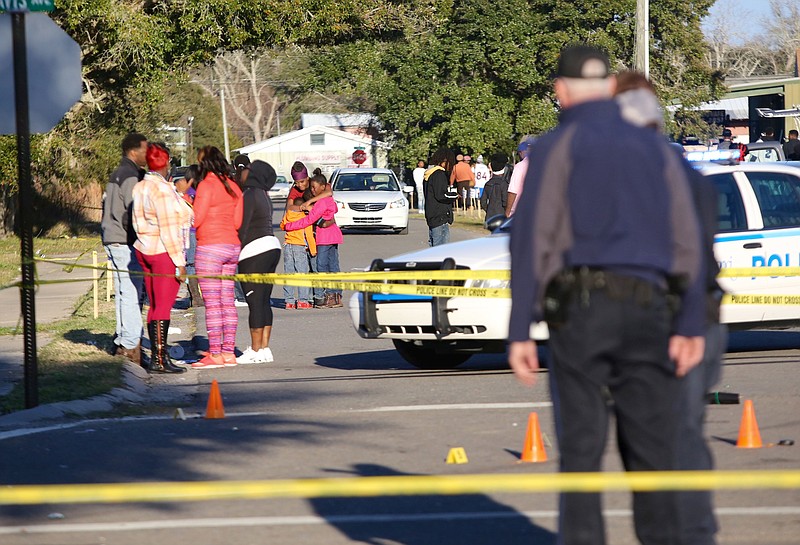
(339, 120)
(316, 129)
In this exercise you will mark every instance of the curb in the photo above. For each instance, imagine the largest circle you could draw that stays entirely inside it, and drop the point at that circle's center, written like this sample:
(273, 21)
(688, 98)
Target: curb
(138, 387)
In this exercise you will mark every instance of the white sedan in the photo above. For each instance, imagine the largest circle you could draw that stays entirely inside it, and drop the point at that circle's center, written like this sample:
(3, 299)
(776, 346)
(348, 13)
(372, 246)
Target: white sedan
(758, 224)
(370, 198)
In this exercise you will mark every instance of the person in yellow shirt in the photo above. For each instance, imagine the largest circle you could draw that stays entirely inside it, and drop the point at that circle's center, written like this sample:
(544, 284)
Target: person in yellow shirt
(297, 247)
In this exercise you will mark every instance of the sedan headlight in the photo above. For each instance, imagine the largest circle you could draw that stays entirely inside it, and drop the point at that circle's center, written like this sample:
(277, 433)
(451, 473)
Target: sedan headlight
(399, 203)
(488, 284)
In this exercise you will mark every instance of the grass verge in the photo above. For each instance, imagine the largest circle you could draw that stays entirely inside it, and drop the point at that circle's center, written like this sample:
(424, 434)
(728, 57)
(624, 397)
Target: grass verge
(471, 220)
(76, 364)
(11, 254)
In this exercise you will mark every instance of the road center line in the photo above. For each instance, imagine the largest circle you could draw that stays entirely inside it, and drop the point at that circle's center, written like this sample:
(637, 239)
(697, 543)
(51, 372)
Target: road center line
(456, 407)
(310, 520)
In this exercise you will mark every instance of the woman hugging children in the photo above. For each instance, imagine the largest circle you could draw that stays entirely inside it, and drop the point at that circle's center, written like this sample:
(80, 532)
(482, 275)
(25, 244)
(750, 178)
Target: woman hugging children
(327, 234)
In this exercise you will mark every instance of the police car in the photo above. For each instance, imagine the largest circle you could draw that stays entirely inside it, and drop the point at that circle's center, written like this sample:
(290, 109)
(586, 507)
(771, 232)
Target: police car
(759, 226)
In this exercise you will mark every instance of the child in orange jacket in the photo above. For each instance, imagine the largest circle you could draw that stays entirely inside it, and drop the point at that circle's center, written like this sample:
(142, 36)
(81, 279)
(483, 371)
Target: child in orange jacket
(297, 247)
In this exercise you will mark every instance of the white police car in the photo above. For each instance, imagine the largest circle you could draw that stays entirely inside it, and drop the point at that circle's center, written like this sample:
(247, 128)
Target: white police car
(759, 226)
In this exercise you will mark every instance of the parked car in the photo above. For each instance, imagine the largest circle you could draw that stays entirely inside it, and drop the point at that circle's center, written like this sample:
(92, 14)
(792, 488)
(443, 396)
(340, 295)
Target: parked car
(280, 191)
(758, 223)
(370, 198)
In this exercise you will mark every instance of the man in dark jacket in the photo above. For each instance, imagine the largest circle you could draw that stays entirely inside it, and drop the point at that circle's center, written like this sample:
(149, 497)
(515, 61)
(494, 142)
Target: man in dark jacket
(439, 196)
(606, 238)
(495, 192)
(118, 237)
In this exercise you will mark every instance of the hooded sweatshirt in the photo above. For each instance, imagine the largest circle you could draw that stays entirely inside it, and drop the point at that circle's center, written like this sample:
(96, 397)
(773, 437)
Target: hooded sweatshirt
(438, 200)
(255, 232)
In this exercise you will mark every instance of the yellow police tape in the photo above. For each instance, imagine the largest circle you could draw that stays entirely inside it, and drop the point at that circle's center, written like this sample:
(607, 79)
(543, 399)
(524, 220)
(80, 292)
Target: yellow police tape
(399, 486)
(384, 282)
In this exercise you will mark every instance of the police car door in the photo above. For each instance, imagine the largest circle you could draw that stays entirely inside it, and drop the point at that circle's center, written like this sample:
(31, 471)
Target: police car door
(738, 243)
(778, 194)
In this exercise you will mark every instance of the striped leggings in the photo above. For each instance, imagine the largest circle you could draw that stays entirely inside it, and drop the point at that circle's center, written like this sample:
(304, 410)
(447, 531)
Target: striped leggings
(221, 315)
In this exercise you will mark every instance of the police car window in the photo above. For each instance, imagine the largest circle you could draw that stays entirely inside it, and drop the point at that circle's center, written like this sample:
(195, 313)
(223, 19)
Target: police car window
(730, 208)
(778, 196)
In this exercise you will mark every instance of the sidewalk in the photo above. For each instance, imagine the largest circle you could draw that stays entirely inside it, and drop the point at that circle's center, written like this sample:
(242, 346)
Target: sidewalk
(54, 302)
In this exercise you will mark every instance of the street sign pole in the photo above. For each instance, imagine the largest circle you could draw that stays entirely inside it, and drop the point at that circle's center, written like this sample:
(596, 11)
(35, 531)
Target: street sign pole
(28, 303)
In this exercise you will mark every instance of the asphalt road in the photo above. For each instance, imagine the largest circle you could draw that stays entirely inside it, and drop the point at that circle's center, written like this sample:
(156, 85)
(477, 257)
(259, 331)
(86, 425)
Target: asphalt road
(335, 405)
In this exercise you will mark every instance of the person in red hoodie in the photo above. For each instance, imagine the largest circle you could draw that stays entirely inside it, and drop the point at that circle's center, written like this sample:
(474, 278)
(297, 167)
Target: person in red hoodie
(328, 236)
(218, 216)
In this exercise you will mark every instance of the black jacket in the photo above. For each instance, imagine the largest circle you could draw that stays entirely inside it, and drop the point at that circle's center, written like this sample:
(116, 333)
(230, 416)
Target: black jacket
(495, 196)
(438, 205)
(257, 206)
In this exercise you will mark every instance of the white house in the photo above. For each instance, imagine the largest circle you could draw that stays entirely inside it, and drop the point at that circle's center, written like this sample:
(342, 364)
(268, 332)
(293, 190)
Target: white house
(317, 146)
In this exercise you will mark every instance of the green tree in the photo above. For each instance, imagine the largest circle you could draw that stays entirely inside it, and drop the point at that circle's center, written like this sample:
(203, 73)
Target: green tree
(483, 78)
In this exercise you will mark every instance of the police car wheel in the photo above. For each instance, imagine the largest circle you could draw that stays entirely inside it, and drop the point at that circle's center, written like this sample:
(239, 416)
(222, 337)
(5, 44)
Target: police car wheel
(427, 357)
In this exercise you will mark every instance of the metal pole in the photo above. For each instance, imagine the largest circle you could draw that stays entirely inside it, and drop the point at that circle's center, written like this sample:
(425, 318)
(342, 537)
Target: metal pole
(27, 300)
(225, 123)
(642, 41)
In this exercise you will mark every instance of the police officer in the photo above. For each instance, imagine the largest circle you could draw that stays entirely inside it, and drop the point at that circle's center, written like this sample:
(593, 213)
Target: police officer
(605, 243)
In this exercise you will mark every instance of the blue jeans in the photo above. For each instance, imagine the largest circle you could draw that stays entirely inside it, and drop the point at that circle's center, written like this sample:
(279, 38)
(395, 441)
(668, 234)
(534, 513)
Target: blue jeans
(295, 260)
(190, 251)
(420, 198)
(319, 293)
(328, 261)
(439, 235)
(127, 293)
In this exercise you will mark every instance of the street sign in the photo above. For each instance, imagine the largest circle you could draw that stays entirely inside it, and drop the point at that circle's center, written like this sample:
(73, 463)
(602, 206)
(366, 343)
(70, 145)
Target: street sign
(27, 5)
(54, 73)
(359, 156)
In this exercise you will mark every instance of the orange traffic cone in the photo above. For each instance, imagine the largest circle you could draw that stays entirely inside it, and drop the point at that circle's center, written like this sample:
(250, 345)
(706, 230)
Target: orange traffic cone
(214, 409)
(533, 451)
(749, 436)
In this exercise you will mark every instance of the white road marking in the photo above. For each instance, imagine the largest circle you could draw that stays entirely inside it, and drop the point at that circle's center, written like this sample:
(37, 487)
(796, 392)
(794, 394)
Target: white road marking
(21, 432)
(456, 407)
(308, 520)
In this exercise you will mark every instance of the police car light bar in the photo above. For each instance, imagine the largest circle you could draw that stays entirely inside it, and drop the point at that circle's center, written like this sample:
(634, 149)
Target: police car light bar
(713, 156)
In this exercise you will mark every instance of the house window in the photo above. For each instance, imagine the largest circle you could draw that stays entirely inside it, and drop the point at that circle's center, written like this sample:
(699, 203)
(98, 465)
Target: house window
(318, 139)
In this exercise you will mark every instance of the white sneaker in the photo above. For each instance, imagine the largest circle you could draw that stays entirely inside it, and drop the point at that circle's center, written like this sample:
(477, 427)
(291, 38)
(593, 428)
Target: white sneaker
(266, 355)
(238, 303)
(250, 356)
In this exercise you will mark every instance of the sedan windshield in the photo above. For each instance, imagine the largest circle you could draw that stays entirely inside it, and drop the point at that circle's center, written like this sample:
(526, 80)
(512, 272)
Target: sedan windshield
(377, 181)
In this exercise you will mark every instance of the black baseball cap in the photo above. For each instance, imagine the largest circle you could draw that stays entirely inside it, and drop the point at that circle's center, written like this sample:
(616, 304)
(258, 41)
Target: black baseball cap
(241, 162)
(582, 62)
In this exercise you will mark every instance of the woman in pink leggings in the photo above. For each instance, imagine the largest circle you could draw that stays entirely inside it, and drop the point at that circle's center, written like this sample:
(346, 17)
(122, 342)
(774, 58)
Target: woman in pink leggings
(218, 216)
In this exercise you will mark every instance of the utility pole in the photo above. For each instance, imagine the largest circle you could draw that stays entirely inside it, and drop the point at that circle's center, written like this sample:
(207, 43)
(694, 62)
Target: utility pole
(225, 123)
(642, 40)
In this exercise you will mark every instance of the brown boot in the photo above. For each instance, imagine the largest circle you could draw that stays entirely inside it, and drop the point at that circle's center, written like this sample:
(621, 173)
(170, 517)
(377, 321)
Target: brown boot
(132, 354)
(336, 300)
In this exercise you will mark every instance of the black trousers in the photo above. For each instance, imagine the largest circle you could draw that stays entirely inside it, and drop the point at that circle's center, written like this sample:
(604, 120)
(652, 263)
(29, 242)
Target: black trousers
(611, 357)
(695, 508)
(258, 295)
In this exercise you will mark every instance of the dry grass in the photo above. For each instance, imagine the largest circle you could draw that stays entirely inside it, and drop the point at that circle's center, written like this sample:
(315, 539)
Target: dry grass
(76, 364)
(10, 252)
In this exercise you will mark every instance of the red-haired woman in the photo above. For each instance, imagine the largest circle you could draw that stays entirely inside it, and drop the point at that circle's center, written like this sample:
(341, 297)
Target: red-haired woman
(218, 216)
(161, 219)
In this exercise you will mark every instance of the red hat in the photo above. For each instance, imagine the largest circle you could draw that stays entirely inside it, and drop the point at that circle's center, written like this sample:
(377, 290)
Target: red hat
(157, 157)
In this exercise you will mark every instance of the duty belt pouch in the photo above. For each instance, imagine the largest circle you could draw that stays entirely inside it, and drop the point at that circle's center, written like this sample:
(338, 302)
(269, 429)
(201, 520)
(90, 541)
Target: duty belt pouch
(557, 297)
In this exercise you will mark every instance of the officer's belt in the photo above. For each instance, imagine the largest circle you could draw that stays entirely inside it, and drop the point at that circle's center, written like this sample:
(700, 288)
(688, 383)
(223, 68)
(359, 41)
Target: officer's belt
(615, 285)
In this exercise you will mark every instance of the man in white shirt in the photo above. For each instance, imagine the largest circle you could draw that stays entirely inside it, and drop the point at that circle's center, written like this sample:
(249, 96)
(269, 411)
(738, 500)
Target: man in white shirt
(418, 175)
(482, 175)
